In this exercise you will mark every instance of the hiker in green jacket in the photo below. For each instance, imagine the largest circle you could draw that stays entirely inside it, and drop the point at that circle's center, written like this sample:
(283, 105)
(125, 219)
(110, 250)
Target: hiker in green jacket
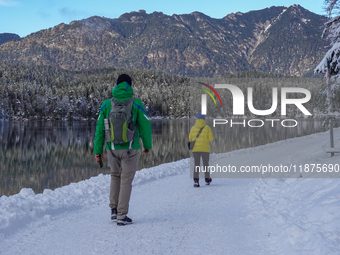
(122, 157)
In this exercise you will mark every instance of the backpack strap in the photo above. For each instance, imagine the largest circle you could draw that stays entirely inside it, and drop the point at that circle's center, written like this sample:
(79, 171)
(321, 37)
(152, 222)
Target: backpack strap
(199, 132)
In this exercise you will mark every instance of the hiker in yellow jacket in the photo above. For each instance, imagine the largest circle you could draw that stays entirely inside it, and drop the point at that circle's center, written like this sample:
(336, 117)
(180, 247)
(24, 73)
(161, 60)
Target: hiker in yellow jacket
(201, 147)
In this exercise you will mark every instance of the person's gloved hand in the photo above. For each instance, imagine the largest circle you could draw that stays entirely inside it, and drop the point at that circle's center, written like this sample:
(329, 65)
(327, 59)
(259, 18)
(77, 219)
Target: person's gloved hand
(146, 151)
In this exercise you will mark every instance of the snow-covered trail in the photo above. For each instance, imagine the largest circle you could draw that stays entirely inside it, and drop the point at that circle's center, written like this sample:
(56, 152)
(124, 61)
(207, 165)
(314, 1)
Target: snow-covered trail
(170, 217)
(247, 216)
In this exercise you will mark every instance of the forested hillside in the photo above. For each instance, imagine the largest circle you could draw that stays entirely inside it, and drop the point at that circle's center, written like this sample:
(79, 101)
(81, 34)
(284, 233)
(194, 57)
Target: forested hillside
(42, 92)
(48, 93)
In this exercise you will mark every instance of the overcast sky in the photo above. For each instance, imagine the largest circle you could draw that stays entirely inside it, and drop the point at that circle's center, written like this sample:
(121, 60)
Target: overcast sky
(23, 17)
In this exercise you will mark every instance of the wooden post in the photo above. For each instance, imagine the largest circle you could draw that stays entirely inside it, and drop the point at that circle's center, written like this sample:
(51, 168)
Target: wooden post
(330, 108)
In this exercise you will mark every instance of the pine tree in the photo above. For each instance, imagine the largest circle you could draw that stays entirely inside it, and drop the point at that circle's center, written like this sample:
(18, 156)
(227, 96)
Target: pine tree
(332, 34)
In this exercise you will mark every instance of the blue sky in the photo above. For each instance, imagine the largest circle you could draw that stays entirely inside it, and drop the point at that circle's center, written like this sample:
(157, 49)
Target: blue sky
(23, 17)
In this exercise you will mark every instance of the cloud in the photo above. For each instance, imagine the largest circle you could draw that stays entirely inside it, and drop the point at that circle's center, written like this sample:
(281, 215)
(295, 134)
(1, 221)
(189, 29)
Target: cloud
(8, 3)
(66, 12)
(43, 14)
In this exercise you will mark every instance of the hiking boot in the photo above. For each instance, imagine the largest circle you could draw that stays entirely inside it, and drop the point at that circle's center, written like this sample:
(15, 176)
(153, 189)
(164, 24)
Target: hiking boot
(114, 214)
(207, 181)
(125, 221)
(196, 183)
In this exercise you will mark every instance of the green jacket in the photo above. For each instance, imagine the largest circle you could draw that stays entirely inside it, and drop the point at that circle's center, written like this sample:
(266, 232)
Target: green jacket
(122, 92)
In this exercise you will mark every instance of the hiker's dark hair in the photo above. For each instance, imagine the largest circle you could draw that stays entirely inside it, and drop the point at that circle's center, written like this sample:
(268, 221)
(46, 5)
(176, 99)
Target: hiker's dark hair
(124, 77)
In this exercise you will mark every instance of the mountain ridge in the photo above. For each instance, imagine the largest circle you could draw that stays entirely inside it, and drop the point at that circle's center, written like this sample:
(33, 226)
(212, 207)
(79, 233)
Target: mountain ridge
(6, 37)
(187, 44)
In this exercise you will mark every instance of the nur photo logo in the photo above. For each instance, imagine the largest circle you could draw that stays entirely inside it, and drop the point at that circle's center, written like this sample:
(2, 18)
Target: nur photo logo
(238, 104)
(204, 97)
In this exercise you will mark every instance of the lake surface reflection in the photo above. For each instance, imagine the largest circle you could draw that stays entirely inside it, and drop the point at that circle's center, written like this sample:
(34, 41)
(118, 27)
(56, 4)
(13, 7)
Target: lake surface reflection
(47, 155)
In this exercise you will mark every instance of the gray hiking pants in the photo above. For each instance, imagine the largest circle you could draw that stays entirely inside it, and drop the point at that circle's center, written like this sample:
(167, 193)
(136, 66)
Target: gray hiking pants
(123, 169)
(197, 160)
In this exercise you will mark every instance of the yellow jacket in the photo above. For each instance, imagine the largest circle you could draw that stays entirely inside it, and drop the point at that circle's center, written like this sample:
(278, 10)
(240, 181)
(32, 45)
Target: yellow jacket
(202, 143)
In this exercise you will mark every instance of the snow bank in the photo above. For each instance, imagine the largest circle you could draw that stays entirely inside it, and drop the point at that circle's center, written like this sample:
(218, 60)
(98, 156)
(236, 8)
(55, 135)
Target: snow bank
(26, 206)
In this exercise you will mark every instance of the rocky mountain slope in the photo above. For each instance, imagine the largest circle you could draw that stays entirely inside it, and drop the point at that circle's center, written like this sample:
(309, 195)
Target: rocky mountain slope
(5, 37)
(277, 39)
